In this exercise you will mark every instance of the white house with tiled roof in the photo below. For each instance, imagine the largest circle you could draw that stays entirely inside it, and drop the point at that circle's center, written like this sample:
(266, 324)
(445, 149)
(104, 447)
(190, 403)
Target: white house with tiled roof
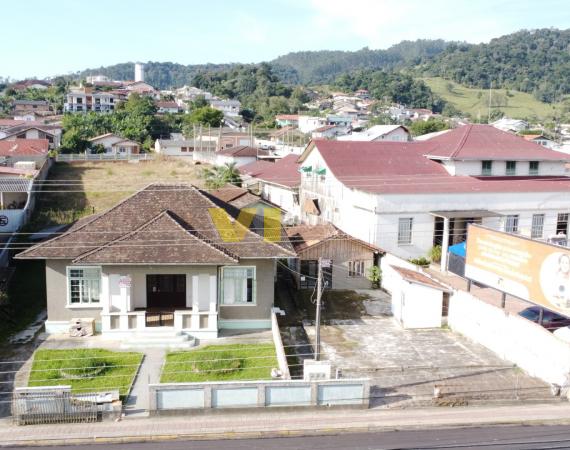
(405, 197)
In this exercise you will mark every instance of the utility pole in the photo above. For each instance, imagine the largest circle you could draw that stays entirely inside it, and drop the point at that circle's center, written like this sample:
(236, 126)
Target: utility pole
(490, 101)
(318, 313)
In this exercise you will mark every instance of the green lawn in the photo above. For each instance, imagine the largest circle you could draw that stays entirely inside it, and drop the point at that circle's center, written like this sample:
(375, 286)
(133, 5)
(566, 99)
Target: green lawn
(85, 370)
(220, 363)
(519, 105)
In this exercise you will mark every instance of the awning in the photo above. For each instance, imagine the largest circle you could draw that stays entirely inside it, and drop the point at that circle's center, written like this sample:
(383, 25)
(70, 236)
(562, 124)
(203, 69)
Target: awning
(311, 206)
(465, 214)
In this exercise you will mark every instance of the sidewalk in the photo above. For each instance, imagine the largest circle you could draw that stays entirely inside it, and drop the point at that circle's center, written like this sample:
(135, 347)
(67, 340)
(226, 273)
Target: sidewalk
(279, 423)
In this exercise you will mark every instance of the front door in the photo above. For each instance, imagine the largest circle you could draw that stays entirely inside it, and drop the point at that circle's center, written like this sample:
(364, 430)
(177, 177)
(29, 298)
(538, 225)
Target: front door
(166, 291)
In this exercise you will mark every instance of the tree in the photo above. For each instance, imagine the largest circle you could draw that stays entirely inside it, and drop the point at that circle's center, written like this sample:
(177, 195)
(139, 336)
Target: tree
(206, 116)
(199, 102)
(219, 176)
(429, 126)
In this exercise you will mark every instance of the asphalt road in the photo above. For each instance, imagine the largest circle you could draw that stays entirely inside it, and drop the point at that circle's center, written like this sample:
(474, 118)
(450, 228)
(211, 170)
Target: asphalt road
(516, 437)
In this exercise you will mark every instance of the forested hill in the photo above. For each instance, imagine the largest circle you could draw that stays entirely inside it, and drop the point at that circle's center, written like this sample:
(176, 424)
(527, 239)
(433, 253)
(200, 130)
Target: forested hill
(319, 67)
(163, 75)
(537, 62)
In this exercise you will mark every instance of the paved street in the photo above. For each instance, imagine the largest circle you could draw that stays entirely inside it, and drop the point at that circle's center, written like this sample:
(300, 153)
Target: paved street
(500, 438)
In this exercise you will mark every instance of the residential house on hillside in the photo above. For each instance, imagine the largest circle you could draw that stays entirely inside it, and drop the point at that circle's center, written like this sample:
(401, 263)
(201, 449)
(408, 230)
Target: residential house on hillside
(511, 125)
(24, 106)
(166, 107)
(52, 133)
(277, 182)
(307, 124)
(230, 108)
(128, 281)
(238, 155)
(114, 145)
(226, 138)
(288, 135)
(350, 259)
(181, 147)
(541, 139)
(406, 197)
(30, 84)
(85, 99)
(287, 120)
(328, 132)
(379, 133)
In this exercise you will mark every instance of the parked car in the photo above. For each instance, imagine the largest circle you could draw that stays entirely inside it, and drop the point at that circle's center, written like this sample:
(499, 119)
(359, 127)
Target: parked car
(550, 320)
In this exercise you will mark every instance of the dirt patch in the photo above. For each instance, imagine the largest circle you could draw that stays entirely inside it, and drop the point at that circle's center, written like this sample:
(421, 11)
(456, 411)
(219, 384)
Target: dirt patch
(337, 305)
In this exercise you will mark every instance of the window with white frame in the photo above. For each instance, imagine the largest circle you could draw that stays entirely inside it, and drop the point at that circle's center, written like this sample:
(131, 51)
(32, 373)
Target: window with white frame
(487, 168)
(533, 167)
(355, 268)
(238, 286)
(405, 226)
(84, 285)
(511, 168)
(537, 229)
(562, 224)
(512, 224)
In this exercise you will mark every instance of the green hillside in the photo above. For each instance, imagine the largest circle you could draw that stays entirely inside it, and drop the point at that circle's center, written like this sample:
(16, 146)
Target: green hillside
(475, 101)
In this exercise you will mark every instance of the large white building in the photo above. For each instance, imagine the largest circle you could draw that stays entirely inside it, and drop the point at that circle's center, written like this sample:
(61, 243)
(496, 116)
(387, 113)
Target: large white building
(406, 197)
(86, 99)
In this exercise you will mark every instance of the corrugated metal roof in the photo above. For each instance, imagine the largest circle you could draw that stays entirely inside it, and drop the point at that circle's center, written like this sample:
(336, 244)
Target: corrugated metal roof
(9, 184)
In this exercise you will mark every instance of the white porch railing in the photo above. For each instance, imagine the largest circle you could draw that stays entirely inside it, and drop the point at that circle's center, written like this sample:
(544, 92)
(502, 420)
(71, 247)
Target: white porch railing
(197, 323)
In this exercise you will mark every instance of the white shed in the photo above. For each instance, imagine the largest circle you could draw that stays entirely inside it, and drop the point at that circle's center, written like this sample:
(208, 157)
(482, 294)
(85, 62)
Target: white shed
(417, 300)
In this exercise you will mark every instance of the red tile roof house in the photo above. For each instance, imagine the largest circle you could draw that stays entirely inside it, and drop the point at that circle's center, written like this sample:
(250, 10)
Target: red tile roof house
(157, 263)
(406, 197)
(115, 145)
(277, 182)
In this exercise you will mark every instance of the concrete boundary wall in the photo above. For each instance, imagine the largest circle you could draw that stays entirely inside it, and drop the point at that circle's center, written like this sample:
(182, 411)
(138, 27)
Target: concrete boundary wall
(390, 278)
(212, 396)
(279, 350)
(526, 344)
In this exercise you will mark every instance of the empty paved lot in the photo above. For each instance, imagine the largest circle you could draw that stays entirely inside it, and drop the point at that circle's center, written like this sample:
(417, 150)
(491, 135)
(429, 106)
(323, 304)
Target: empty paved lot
(406, 365)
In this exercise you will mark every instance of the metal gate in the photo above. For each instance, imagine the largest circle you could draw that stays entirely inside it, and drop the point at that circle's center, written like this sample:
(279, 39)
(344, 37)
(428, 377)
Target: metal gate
(54, 404)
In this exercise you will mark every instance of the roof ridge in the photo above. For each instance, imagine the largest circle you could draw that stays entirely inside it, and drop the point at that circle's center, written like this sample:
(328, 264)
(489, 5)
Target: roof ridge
(94, 218)
(236, 221)
(462, 141)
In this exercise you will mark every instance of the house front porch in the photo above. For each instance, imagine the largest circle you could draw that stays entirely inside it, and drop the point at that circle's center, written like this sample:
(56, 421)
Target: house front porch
(155, 301)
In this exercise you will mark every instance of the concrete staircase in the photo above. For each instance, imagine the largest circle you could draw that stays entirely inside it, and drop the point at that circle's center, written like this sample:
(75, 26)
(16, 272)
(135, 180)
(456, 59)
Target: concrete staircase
(159, 338)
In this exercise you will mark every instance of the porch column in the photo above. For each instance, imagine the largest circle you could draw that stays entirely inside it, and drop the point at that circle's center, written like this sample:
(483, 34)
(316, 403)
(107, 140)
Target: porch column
(445, 244)
(195, 317)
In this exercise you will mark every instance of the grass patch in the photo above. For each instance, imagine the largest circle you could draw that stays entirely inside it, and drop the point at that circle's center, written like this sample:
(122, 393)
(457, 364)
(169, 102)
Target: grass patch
(85, 370)
(96, 186)
(220, 363)
(520, 105)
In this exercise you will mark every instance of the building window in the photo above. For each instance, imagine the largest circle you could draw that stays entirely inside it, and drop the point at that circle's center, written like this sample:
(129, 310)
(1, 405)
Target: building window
(511, 168)
(84, 285)
(184, 149)
(405, 231)
(238, 286)
(512, 224)
(356, 268)
(533, 168)
(562, 224)
(486, 168)
(537, 229)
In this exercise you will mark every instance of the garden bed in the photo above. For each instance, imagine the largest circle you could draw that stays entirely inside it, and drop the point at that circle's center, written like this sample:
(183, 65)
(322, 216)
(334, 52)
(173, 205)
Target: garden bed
(85, 370)
(220, 363)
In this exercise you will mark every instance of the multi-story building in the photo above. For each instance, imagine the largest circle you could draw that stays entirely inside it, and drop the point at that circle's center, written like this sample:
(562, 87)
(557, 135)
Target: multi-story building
(86, 99)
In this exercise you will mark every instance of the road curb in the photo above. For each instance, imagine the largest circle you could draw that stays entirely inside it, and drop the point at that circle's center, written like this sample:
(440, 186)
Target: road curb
(235, 435)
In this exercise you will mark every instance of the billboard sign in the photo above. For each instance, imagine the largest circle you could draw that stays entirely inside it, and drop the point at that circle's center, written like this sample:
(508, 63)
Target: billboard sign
(528, 269)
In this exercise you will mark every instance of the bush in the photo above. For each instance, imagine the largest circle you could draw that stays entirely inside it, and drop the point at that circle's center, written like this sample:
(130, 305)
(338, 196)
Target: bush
(435, 253)
(375, 276)
(423, 262)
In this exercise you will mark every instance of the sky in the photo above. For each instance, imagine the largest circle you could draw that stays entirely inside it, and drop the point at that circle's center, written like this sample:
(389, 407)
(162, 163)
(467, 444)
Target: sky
(44, 38)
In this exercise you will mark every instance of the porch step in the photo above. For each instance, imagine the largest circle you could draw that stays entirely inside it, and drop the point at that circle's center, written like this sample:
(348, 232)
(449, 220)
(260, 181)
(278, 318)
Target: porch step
(159, 339)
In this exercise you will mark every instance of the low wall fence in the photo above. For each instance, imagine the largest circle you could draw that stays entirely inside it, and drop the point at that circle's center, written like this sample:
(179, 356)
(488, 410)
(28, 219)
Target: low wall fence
(172, 397)
(71, 157)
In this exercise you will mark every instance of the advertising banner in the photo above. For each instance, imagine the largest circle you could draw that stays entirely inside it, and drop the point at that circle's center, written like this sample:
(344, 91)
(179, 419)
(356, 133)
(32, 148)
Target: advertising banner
(530, 270)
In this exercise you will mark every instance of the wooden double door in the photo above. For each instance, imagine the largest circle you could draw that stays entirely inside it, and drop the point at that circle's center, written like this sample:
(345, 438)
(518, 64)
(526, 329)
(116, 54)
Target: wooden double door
(165, 291)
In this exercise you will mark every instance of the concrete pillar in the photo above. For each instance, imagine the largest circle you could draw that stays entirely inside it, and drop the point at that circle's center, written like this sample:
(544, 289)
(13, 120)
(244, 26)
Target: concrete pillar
(445, 244)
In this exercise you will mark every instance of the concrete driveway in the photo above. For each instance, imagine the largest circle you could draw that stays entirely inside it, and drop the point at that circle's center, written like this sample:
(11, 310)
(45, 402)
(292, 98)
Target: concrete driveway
(406, 365)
